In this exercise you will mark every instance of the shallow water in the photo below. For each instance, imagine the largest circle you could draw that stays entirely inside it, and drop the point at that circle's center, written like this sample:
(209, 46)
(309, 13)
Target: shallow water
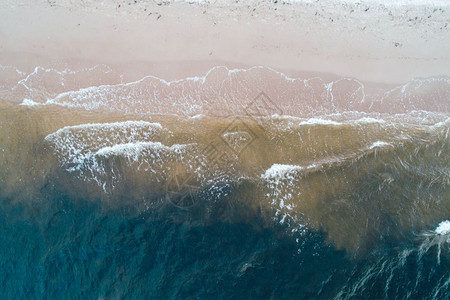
(240, 183)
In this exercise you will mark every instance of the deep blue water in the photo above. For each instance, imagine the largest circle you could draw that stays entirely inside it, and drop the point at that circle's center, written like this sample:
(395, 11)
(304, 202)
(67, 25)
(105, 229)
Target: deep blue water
(57, 247)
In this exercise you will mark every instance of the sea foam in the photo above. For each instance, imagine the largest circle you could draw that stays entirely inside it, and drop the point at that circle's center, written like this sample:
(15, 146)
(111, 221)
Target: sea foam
(280, 171)
(317, 121)
(443, 228)
(135, 149)
(76, 145)
(379, 144)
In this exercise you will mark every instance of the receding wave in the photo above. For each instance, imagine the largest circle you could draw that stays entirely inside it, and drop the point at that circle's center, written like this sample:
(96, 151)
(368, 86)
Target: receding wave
(224, 92)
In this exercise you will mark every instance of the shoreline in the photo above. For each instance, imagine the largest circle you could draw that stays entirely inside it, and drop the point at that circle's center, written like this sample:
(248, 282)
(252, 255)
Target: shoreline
(222, 92)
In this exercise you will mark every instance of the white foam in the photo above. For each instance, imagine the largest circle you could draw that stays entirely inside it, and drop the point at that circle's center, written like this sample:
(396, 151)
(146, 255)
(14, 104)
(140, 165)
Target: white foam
(282, 192)
(379, 144)
(103, 126)
(317, 121)
(443, 228)
(438, 238)
(29, 102)
(134, 149)
(279, 171)
(76, 145)
(92, 152)
(368, 120)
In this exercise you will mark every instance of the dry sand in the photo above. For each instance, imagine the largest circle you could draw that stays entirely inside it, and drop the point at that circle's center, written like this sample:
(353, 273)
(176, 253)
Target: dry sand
(371, 42)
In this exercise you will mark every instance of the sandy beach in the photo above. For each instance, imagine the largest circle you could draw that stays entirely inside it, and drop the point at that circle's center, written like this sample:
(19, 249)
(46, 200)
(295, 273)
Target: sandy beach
(172, 40)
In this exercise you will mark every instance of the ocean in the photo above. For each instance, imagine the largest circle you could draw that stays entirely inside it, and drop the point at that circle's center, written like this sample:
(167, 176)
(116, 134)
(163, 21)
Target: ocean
(241, 184)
